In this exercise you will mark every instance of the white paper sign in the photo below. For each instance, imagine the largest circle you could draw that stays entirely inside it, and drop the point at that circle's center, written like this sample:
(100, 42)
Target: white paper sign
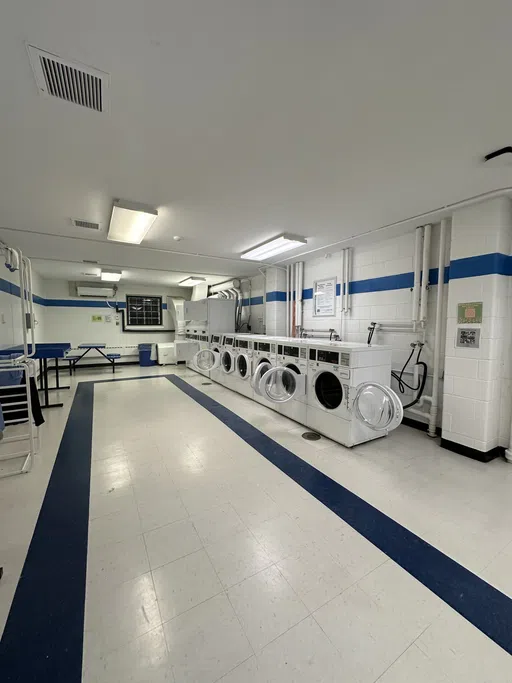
(324, 295)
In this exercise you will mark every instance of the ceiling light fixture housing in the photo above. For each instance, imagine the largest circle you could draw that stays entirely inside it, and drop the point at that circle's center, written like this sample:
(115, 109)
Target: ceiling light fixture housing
(277, 245)
(109, 275)
(191, 281)
(130, 221)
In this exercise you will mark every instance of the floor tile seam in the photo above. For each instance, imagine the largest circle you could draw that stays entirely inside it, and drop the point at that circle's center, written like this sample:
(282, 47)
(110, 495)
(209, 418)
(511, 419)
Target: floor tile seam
(496, 555)
(413, 643)
(156, 598)
(235, 667)
(226, 593)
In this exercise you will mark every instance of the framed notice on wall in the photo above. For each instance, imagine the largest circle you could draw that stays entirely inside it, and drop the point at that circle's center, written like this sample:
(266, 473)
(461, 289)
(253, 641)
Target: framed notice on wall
(324, 297)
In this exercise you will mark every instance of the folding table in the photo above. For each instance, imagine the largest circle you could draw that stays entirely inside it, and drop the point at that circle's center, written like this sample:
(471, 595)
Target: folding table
(43, 352)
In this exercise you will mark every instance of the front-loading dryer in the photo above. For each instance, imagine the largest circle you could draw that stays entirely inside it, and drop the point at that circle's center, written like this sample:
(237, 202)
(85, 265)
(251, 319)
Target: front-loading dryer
(243, 365)
(227, 361)
(207, 360)
(264, 358)
(198, 333)
(285, 384)
(349, 398)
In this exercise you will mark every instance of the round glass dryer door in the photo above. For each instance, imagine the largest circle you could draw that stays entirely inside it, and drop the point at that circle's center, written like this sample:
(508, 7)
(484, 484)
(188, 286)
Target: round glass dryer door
(378, 407)
(207, 360)
(328, 390)
(242, 366)
(263, 367)
(227, 362)
(282, 384)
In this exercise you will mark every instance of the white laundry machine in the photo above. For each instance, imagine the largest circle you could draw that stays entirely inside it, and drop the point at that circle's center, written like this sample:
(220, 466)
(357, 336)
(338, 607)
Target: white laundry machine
(204, 318)
(207, 360)
(348, 395)
(264, 358)
(227, 361)
(284, 385)
(244, 349)
(199, 334)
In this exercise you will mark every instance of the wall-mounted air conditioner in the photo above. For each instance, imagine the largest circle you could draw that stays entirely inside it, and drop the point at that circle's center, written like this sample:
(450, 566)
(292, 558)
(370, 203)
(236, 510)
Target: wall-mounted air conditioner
(97, 292)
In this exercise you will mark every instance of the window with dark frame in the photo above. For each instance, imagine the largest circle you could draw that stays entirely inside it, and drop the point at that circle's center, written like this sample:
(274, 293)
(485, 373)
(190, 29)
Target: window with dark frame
(144, 310)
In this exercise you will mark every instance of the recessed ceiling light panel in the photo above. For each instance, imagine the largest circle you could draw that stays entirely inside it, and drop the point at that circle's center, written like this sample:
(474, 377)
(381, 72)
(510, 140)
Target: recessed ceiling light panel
(191, 281)
(109, 275)
(130, 222)
(273, 247)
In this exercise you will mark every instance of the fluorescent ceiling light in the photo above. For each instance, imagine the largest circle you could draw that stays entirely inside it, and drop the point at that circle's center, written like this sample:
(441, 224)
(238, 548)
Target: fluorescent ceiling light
(275, 246)
(191, 281)
(111, 275)
(130, 222)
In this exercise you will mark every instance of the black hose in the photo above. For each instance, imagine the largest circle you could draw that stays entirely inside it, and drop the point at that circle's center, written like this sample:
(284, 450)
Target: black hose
(422, 386)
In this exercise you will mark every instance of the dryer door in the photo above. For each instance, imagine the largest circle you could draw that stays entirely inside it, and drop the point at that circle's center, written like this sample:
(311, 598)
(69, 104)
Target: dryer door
(243, 366)
(262, 368)
(207, 359)
(227, 362)
(282, 384)
(378, 407)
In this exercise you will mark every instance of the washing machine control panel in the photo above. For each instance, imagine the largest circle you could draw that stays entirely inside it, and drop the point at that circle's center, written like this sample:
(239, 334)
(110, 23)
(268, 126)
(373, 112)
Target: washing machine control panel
(336, 369)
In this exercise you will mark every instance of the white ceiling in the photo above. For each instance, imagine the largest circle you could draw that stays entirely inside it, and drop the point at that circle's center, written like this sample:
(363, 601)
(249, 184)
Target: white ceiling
(240, 119)
(84, 272)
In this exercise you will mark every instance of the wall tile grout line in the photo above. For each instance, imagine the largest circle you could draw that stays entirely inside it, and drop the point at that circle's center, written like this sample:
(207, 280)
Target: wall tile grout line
(481, 604)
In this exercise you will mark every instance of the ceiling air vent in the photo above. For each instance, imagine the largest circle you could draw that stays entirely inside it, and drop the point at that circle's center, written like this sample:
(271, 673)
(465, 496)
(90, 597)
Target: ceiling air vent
(87, 261)
(70, 81)
(79, 223)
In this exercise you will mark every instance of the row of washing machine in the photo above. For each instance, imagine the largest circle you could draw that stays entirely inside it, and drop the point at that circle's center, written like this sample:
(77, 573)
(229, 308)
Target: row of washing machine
(338, 389)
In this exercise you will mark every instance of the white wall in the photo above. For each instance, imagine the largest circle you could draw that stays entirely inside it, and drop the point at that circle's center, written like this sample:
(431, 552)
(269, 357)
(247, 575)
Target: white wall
(74, 324)
(478, 381)
(10, 311)
(380, 259)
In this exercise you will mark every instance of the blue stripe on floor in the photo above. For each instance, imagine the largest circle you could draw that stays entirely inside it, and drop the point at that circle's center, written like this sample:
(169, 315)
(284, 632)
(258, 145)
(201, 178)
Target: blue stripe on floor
(485, 607)
(43, 636)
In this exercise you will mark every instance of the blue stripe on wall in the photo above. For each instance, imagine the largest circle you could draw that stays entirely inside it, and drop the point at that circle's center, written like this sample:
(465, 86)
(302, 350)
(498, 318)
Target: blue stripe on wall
(276, 296)
(253, 301)
(485, 264)
(477, 601)
(43, 636)
(473, 266)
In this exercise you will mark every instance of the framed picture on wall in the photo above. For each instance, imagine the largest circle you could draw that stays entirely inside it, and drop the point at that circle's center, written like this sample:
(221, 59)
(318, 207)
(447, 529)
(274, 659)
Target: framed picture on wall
(324, 297)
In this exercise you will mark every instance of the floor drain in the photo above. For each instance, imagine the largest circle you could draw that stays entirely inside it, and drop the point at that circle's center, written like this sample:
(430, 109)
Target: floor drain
(311, 436)
(206, 384)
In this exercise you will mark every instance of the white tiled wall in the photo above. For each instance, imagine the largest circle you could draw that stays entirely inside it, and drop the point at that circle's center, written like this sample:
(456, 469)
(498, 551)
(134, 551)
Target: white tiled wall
(383, 258)
(275, 311)
(477, 401)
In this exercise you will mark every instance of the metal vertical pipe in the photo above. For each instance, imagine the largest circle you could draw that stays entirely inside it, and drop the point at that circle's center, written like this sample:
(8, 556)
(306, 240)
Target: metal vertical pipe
(287, 328)
(424, 276)
(347, 279)
(432, 423)
(417, 271)
(301, 286)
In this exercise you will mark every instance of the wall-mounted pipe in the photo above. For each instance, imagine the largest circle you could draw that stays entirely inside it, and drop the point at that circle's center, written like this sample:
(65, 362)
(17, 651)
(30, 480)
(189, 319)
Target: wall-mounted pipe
(434, 216)
(299, 291)
(418, 240)
(432, 424)
(346, 283)
(287, 325)
(424, 274)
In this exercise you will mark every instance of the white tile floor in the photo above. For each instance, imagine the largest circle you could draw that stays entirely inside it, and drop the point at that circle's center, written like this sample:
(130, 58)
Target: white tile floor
(206, 563)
